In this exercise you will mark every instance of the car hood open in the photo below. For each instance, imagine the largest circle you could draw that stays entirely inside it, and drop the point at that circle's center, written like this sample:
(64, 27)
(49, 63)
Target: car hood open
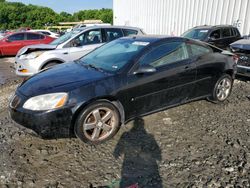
(243, 44)
(61, 78)
(37, 47)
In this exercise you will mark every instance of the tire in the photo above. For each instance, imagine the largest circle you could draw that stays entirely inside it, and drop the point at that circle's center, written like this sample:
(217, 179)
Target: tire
(48, 65)
(222, 89)
(97, 123)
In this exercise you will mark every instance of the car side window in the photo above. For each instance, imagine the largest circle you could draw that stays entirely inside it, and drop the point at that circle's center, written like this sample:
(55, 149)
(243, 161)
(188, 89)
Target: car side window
(16, 37)
(128, 32)
(198, 50)
(113, 33)
(226, 32)
(215, 34)
(87, 38)
(34, 36)
(236, 31)
(166, 54)
(233, 33)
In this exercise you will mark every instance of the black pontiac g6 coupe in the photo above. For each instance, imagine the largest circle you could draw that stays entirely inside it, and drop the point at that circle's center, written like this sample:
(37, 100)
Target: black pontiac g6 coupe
(126, 78)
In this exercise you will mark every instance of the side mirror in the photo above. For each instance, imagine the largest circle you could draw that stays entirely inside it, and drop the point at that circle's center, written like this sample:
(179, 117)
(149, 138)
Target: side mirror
(145, 69)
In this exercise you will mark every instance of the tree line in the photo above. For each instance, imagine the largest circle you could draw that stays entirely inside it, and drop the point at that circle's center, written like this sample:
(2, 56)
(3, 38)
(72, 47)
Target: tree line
(14, 15)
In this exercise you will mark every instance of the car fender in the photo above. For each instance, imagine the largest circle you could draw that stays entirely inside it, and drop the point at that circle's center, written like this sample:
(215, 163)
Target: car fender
(49, 57)
(52, 60)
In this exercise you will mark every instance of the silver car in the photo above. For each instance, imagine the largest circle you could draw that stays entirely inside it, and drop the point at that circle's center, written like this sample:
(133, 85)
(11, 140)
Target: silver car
(69, 47)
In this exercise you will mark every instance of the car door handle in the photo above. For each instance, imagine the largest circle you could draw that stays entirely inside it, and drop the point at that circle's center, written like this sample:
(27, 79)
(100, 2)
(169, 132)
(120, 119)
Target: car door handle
(66, 53)
(187, 67)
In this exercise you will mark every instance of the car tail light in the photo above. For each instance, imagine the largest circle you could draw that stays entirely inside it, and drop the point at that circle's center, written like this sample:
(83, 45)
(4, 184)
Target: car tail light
(236, 58)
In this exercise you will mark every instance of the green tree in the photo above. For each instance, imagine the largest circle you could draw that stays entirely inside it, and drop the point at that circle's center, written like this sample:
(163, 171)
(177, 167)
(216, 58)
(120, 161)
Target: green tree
(14, 15)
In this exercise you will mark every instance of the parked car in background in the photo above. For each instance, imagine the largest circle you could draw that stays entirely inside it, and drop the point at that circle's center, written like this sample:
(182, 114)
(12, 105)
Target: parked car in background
(126, 78)
(46, 32)
(242, 49)
(220, 35)
(89, 25)
(2, 34)
(71, 46)
(11, 44)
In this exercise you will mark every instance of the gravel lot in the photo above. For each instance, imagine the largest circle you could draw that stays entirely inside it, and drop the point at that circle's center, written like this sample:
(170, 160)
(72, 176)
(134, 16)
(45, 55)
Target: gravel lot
(199, 144)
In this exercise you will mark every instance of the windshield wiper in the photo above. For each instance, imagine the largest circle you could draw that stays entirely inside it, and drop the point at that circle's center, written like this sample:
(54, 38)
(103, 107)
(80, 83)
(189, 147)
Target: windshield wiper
(94, 67)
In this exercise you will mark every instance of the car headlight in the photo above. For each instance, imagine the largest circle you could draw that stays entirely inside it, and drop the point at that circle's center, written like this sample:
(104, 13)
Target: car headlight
(46, 102)
(31, 55)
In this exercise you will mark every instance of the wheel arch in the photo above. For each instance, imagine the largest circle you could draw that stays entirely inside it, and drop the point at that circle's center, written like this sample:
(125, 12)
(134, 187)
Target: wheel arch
(109, 99)
(229, 72)
(59, 61)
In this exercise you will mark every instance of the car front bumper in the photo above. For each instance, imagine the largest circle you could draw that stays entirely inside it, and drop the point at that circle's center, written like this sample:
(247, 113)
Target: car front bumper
(47, 124)
(243, 70)
(26, 67)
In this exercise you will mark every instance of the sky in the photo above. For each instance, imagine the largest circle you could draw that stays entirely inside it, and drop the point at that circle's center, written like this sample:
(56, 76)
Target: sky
(69, 6)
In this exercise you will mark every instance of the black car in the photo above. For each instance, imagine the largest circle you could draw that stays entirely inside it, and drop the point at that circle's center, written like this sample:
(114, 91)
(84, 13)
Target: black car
(122, 80)
(242, 49)
(220, 35)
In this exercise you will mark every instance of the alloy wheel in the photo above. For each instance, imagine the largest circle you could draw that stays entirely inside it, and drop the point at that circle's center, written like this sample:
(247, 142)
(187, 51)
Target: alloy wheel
(99, 124)
(223, 89)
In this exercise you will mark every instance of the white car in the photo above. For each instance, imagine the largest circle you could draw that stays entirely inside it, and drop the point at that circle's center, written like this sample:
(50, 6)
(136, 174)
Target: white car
(69, 47)
(46, 32)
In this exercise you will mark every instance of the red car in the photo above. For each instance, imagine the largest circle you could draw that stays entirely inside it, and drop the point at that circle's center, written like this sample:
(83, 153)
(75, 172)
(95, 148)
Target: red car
(12, 43)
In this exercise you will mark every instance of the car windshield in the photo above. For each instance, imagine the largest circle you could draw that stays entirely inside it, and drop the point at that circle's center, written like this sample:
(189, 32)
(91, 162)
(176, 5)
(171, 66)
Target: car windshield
(113, 56)
(65, 37)
(199, 34)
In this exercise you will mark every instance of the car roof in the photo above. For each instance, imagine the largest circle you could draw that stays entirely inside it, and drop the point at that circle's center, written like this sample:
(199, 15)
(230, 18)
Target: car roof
(213, 26)
(109, 26)
(152, 38)
(23, 32)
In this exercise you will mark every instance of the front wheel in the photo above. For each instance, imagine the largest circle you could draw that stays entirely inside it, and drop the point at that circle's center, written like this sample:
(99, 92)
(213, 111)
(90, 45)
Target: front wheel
(51, 64)
(222, 89)
(97, 123)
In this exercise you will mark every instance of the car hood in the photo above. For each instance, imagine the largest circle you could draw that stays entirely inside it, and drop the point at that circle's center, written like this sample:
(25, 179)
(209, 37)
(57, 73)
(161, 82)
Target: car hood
(61, 78)
(243, 44)
(36, 47)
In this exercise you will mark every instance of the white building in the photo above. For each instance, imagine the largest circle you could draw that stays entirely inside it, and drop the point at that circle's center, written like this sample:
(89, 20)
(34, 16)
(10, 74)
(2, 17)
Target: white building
(176, 16)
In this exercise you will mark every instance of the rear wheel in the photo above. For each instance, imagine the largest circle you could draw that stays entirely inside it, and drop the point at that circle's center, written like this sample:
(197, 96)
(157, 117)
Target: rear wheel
(222, 88)
(97, 123)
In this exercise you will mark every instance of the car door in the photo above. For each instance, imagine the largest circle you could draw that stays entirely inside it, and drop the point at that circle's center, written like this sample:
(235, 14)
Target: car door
(204, 58)
(216, 39)
(227, 37)
(13, 43)
(112, 34)
(85, 43)
(33, 38)
(170, 84)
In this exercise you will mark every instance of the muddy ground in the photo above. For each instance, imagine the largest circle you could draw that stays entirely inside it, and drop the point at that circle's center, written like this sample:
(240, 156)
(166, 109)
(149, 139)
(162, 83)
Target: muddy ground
(199, 144)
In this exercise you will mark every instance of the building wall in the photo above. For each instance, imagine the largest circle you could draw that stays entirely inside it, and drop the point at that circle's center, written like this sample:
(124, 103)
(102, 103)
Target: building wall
(173, 17)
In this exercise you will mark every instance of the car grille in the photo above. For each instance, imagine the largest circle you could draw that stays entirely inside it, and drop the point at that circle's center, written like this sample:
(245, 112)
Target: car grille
(15, 101)
(244, 60)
